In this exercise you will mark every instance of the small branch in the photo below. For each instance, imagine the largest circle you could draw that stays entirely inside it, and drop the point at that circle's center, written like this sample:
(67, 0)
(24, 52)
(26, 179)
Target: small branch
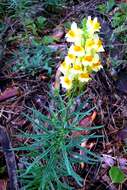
(10, 158)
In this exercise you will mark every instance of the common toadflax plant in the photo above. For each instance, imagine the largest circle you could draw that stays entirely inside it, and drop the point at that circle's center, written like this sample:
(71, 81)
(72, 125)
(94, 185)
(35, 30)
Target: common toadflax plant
(83, 56)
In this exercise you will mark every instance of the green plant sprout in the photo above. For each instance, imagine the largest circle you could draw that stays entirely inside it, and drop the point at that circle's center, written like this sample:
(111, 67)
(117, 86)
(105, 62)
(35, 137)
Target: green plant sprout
(54, 150)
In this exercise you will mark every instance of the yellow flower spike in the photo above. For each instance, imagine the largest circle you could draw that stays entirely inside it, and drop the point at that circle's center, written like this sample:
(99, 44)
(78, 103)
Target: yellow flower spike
(77, 50)
(66, 82)
(96, 66)
(64, 67)
(75, 34)
(93, 25)
(82, 58)
(84, 77)
(70, 58)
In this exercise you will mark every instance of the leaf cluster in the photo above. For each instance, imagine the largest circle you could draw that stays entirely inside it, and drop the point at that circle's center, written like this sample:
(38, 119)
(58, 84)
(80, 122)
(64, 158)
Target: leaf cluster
(15, 8)
(119, 29)
(55, 2)
(119, 23)
(34, 25)
(33, 58)
(106, 7)
(19, 8)
(53, 151)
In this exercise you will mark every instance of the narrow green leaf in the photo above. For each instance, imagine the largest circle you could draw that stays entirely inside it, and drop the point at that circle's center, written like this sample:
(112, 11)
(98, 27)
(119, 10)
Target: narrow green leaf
(40, 126)
(48, 170)
(38, 159)
(70, 170)
(89, 152)
(85, 128)
(110, 4)
(84, 158)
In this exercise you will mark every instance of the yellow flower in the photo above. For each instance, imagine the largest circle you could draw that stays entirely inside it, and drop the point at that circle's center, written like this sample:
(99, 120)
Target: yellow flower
(77, 50)
(77, 68)
(96, 66)
(66, 82)
(93, 25)
(87, 60)
(64, 67)
(75, 34)
(89, 45)
(70, 58)
(84, 77)
(98, 45)
(94, 44)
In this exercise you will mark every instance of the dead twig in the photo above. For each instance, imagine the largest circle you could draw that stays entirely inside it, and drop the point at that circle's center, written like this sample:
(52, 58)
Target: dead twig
(10, 158)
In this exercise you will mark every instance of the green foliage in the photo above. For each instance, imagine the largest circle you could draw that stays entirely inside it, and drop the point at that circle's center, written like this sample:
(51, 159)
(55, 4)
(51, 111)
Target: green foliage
(105, 8)
(109, 5)
(119, 29)
(14, 8)
(2, 27)
(2, 170)
(67, 25)
(41, 21)
(34, 26)
(48, 40)
(120, 17)
(52, 151)
(33, 58)
(102, 8)
(28, 57)
(116, 175)
(2, 9)
(20, 8)
(118, 20)
(55, 2)
(30, 26)
(23, 5)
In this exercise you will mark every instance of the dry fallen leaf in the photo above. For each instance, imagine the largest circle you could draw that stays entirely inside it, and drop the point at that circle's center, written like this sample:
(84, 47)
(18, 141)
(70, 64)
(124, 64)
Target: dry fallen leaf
(57, 79)
(85, 122)
(9, 93)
